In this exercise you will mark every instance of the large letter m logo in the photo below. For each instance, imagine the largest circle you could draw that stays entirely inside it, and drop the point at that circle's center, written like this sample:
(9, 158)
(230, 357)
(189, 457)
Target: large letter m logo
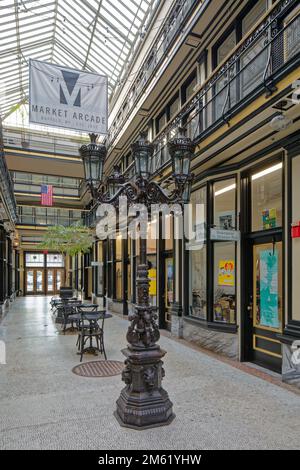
(70, 92)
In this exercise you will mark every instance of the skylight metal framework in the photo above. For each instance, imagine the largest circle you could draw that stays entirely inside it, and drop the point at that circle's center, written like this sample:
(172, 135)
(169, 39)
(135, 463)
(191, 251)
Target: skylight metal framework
(93, 35)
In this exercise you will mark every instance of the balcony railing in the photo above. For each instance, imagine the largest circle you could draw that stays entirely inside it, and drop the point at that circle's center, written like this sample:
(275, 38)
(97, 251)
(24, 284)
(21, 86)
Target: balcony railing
(44, 143)
(6, 183)
(252, 66)
(44, 217)
(89, 219)
(173, 25)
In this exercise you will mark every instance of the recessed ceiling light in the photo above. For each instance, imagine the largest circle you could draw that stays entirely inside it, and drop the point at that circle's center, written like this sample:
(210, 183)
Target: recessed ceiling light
(225, 190)
(267, 171)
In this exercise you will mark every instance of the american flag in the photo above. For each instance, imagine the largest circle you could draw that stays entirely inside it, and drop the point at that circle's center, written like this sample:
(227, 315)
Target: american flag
(46, 195)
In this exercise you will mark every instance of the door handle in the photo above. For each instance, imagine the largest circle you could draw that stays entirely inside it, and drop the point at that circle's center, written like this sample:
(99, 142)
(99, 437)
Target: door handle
(250, 310)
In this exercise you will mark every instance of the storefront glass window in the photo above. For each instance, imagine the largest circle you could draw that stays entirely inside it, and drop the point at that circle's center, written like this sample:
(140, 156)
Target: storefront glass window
(129, 281)
(224, 302)
(129, 270)
(168, 233)
(118, 267)
(152, 275)
(198, 301)
(225, 204)
(119, 281)
(197, 255)
(100, 273)
(151, 237)
(266, 191)
(118, 247)
(295, 259)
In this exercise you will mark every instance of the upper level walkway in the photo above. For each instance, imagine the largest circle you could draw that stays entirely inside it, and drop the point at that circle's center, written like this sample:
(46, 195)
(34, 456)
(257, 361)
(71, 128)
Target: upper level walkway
(43, 405)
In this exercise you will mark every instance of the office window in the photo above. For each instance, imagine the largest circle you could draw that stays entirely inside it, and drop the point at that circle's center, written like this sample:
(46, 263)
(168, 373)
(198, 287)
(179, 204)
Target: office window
(292, 34)
(221, 98)
(161, 122)
(253, 61)
(254, 15)
(228, 44)
(189, 91)
(174, 107)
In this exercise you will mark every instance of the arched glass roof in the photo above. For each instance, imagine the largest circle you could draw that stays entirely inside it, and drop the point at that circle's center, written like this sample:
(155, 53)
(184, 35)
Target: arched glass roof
(92, 35)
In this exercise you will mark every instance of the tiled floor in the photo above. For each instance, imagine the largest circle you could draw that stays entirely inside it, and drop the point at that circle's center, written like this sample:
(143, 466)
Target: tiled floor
(43, 405)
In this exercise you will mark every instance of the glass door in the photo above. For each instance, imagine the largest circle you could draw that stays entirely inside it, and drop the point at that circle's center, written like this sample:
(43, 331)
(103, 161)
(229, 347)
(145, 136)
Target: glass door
(262, 266)
(59, 279)
(50, 281)
(54, 280)
(29, 281)
(34, 281)
(266, 308)
(39, 281)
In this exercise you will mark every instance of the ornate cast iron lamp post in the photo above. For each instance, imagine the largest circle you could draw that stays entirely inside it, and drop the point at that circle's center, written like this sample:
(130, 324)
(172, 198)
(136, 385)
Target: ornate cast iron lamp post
(143, 402)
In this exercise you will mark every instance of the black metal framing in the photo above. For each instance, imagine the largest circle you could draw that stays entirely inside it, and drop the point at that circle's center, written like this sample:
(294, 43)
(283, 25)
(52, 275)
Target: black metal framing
(209, 322)
(3, 265)
(247, 239)
(163, 254)
(292, 328)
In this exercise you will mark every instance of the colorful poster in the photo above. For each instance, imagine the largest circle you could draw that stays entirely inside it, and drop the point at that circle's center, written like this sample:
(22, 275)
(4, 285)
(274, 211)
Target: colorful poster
(269, 217)
(170, 279)
(269, 312)
(226, 273)
(152, 279)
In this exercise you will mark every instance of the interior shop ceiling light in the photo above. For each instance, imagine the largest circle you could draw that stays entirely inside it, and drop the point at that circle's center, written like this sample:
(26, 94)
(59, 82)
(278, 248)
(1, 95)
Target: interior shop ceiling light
(225, 190)
(267, 171)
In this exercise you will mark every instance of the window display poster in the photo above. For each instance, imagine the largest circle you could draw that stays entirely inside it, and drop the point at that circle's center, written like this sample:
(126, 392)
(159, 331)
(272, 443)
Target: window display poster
(170, 278)
(226, 220)
(152, 279)
(268, 286)
(269, 218)
(226, 273)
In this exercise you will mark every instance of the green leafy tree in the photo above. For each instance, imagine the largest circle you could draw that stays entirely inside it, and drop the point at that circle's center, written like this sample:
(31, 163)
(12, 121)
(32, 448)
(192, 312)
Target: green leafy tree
(68, 240)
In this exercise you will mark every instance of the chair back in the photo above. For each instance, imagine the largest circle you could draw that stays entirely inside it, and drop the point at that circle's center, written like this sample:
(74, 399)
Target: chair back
(66, 292)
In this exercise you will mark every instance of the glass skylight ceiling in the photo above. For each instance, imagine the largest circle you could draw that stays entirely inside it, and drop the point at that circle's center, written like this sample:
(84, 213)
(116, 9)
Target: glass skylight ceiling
(94, 35)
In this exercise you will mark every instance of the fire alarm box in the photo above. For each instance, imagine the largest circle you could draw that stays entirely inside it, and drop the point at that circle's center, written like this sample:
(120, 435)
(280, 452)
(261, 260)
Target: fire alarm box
(296, 230)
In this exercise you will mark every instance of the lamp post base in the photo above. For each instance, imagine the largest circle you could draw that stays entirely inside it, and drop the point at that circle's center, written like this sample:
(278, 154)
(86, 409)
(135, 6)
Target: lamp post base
(143, 403)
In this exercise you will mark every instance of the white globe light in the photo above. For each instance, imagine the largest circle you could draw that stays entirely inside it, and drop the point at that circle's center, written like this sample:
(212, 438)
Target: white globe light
(280, 122)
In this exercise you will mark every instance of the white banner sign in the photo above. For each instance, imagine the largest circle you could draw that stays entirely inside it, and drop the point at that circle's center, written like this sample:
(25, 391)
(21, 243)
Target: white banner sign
(64, 97)
(225, 235)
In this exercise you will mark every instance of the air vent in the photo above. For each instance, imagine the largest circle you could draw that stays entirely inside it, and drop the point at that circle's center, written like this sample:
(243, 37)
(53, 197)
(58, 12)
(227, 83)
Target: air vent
(284, 105)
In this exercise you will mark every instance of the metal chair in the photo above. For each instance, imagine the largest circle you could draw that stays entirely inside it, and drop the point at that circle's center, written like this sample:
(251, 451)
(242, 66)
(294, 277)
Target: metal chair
(68, 308)
(89, 328)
